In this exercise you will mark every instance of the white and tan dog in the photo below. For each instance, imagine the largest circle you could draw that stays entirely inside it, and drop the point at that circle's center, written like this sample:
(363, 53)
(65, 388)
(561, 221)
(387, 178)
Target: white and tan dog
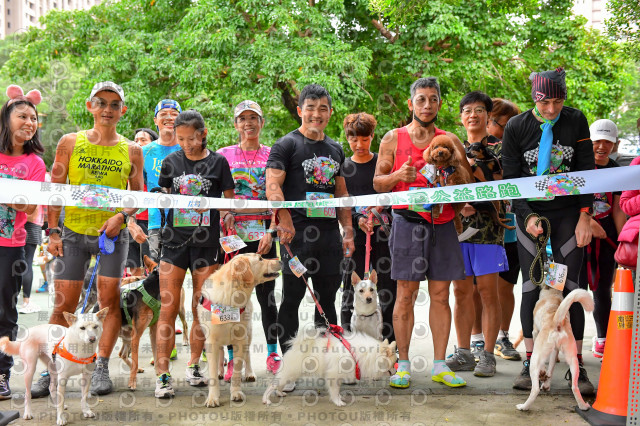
(552, 333)
(367, 314)
(323, 356)
(225, 315)
(74, 349)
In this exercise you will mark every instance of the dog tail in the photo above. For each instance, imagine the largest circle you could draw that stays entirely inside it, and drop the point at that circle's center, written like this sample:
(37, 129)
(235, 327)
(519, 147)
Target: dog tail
(578, 295)
(8, 347)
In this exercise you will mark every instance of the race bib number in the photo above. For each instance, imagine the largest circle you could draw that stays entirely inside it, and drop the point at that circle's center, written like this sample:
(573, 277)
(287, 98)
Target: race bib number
(327, 212)
(555, 275)
(231, 243)
(250, 230)
(297, 267)
(224, 314)
(429, 172)
(189, 217)
(376, 222)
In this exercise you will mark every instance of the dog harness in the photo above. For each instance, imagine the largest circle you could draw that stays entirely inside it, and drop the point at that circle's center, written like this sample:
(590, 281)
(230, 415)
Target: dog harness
(337, 331)
(148, 300)
(208, 304)
(59, 349)
(446, 171)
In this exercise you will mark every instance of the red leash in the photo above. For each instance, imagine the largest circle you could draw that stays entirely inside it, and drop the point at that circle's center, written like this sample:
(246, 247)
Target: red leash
(335, 330)
(367, 256)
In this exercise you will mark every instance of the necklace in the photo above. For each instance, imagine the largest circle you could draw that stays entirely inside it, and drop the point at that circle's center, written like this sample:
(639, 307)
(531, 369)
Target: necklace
(254, 157)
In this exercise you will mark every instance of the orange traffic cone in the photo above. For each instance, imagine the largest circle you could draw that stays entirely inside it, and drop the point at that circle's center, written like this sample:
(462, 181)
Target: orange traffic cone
(610, 407)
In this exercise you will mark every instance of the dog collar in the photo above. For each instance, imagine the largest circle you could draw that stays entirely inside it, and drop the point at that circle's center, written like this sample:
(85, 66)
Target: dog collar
(337, 331)
(59, 349)
(207, 304)
(367, 316)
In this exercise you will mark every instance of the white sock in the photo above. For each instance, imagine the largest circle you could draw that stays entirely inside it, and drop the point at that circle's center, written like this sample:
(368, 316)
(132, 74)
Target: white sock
(477, 338)
(502, 334)
(601, 340)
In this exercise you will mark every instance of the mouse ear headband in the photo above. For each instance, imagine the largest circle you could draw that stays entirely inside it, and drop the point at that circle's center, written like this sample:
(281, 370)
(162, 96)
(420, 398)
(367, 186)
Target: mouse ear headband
(15, 93)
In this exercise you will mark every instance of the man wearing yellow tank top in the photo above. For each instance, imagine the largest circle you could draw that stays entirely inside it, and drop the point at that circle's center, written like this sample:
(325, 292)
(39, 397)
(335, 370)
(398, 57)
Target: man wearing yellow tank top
(99, 158)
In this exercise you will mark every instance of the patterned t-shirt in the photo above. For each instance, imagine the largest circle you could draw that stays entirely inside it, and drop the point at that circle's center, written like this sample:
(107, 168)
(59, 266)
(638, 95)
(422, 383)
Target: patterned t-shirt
(25, 167)
(248, 169)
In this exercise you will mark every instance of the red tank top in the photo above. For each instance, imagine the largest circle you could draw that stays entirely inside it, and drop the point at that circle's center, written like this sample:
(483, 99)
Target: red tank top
(404, 149)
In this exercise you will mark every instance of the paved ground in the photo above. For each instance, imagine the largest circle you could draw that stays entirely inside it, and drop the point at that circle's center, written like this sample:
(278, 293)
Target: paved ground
(482, 401)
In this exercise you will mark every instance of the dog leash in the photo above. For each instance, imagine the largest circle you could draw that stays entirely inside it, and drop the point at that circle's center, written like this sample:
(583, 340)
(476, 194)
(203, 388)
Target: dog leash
(367, 255)
(107, 246)
(541, 245)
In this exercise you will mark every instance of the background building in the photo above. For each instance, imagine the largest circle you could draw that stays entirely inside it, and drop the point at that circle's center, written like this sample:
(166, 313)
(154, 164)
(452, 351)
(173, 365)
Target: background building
(17, 15)
(594, 10)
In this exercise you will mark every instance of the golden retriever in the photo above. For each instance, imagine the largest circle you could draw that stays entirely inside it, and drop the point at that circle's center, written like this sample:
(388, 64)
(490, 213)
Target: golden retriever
(552, 333)
(225, 315)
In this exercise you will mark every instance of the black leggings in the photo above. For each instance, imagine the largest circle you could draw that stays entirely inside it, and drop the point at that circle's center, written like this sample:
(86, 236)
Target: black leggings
(27, 279)
(606, 264)
(13, 266)
(381, 262)
(266, 297)
(565, 251)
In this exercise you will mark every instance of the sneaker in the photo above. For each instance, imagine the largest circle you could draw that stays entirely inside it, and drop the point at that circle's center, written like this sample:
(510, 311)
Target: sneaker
(174, 354)
(41, 387)
(100, 382)
(5, 391)
(598, 348)
(204, 357)
(584, 384)
(477, 348)
(289, 387)
(273, 362)
(487, 365)
(229, 373)
(178, 331)
(29, 308)
(523, 381)
(194, 377)
(43, 288)
(164, 387)
(504, 348)
(461, 360)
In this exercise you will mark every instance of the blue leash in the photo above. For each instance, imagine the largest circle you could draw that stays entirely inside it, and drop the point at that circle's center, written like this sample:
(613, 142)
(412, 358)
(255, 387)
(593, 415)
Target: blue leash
(107, 246)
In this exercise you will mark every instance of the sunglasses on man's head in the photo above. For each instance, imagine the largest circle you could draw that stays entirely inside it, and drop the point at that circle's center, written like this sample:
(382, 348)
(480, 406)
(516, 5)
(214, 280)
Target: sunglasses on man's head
(100, 103)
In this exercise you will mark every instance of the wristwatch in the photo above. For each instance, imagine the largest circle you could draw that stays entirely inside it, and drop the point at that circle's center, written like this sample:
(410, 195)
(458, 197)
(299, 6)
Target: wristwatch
(50, 231)
(123, 213)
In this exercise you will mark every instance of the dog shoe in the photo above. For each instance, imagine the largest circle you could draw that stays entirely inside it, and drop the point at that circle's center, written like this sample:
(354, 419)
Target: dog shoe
(402, 380)
(454, 382)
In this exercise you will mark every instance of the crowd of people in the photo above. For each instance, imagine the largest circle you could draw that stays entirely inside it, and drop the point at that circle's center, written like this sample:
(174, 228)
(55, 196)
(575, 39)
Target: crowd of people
(408, 243)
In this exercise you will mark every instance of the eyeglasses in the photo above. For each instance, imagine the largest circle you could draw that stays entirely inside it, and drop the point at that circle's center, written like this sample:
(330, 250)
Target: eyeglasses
(497, 124)
(100, 103)
(478, 110)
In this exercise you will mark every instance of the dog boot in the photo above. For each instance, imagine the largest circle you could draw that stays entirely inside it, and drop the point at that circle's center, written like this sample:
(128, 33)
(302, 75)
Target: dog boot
(461, 360)
(100, 382)
(194, 376)
(5, 391)
(441, 373)
(41, 387)
(523, 380)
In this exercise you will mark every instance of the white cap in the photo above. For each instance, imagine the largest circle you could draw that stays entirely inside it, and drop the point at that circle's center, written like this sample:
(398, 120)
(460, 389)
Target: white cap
(109, 86)
(604, 129)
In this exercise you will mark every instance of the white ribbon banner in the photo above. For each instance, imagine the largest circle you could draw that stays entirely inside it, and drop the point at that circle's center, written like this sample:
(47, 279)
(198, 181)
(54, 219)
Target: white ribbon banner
(15, 191)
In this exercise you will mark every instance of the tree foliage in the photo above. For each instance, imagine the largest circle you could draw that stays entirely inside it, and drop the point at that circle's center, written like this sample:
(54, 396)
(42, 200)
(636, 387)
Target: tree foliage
(211, 54)
(624, 24)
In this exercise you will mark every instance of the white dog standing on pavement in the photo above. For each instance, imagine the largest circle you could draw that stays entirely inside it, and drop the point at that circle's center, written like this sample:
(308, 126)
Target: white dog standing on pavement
(552, 333)
(66, 351)
(367, 314)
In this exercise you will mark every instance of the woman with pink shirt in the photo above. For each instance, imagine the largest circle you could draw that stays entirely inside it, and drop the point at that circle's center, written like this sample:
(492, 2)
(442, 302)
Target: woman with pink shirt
(19, 146)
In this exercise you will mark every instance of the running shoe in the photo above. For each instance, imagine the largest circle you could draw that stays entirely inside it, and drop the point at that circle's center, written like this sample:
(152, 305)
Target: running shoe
(504, 348)
(164, 387)
(273, 363)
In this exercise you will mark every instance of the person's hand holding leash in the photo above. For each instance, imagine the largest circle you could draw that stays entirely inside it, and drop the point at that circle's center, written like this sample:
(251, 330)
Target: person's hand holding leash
(583, 230)
(137, 233)
(265, 244)
(112, 226)
(534, 228)
(55, 245)
(597, 230)
(286, 231)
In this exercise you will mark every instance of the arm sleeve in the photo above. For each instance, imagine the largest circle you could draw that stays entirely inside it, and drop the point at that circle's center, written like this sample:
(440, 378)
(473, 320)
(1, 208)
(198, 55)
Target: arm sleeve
(512, 165)
(584, 155)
